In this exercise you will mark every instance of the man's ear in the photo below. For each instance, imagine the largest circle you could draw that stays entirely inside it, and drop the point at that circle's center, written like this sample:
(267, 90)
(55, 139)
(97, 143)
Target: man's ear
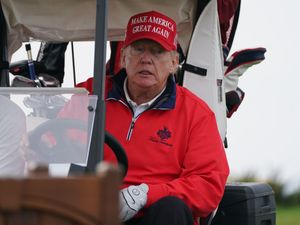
(174, 63)
(122, 61)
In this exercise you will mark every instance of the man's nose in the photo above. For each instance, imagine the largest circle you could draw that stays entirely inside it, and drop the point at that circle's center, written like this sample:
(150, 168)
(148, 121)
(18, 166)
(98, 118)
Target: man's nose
(147, 57)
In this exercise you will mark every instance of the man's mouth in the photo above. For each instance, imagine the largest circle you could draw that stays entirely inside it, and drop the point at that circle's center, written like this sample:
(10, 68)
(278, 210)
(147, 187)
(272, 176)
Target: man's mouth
(145, 72)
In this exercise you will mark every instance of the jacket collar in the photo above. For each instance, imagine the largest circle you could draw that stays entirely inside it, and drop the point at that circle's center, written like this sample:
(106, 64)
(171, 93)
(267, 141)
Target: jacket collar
(164, 102)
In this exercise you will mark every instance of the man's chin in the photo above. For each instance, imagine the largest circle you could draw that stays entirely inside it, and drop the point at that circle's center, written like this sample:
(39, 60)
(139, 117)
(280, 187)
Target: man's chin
(145, 81)
(145, 85)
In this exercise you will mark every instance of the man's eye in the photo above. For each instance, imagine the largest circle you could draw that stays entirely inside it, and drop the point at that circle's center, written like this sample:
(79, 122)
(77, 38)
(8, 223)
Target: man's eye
(137, 50)
(157, 51)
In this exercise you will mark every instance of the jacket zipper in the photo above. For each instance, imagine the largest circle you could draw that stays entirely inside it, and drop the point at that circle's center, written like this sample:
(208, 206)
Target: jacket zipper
(132, 121)
(130, 129)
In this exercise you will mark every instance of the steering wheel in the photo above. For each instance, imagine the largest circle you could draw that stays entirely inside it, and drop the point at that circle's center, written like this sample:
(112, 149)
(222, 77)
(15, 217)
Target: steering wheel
(60, 139)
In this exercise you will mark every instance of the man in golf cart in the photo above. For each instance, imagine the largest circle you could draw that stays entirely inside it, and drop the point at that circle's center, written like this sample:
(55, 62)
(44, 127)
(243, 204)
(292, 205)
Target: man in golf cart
(177, 165)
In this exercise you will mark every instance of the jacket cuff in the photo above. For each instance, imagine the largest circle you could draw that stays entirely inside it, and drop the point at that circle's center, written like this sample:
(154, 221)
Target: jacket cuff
(156, 191)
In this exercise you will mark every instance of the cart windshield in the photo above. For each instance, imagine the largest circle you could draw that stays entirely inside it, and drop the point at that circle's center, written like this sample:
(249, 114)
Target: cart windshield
(45, 126)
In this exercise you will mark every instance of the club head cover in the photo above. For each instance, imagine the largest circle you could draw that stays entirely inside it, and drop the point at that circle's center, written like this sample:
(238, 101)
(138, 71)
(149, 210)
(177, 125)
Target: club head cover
(233, 101)
(238, 63)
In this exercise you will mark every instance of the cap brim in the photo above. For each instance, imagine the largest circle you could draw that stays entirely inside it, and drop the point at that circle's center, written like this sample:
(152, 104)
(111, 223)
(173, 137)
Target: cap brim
(153, 38)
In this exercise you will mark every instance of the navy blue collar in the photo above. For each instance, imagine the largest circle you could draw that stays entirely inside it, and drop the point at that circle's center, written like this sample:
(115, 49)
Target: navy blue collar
(165, 101)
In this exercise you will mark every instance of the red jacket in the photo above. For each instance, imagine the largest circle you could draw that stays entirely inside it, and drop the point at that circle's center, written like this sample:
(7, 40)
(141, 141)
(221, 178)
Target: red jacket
(174, 146)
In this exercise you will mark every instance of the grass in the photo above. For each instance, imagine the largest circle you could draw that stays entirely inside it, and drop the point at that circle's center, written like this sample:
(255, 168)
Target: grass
(288, 215)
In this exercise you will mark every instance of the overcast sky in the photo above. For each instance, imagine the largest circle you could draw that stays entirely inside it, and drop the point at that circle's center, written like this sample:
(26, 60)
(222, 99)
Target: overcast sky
(263, 134)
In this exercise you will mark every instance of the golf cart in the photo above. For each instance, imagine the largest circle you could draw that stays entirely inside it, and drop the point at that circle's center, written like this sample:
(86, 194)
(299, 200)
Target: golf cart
(204, 47)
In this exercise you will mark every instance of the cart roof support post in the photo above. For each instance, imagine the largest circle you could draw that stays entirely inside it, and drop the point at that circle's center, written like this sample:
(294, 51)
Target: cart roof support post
(97, 142)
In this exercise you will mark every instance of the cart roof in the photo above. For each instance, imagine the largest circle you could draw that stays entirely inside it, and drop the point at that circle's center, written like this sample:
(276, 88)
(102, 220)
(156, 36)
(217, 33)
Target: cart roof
(74, 20)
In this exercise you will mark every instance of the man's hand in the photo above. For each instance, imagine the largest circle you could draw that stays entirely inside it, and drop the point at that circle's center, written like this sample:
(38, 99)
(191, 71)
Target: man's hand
(132, 199)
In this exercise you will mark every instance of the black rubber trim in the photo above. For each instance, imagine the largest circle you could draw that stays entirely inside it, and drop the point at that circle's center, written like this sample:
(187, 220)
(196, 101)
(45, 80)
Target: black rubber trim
(194, 69)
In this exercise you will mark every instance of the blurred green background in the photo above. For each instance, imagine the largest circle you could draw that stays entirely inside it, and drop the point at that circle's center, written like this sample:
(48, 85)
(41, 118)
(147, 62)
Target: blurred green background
(288, 215)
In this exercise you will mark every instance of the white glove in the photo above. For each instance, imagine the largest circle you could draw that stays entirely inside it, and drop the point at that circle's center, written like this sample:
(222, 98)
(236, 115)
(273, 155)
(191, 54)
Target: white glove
(132, 199)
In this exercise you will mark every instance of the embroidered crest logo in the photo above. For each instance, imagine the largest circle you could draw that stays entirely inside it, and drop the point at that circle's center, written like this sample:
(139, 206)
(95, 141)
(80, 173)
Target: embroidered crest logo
(162, 137)
(164, 134)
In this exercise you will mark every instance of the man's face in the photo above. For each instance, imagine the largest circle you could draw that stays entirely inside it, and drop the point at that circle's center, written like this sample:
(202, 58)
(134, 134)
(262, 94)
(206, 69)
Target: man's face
(148, 64)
